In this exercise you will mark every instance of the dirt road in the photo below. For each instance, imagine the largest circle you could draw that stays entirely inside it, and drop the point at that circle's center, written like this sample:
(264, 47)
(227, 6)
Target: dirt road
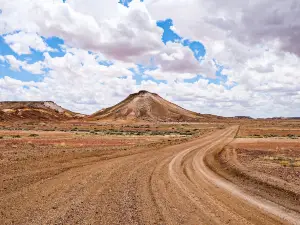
(172, 185)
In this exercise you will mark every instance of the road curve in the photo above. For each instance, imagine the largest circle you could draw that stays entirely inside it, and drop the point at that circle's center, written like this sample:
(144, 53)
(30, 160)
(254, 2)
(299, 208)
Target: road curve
(172, 185)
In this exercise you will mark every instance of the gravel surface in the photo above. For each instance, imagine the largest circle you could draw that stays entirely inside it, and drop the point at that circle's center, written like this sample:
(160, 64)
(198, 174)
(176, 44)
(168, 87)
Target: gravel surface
(170, 185)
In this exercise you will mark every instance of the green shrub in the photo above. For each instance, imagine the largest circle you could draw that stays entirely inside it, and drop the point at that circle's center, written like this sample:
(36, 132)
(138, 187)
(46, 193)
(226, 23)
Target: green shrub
(292, 136)
(16, 136)
(74, 129)
(284, 163)
(33, 135)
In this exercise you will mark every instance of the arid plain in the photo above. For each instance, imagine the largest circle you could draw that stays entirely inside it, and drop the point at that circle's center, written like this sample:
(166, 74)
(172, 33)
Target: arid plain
(146, 161)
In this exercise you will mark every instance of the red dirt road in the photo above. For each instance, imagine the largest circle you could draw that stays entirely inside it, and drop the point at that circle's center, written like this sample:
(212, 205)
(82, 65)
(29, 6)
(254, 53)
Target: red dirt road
(171, 185)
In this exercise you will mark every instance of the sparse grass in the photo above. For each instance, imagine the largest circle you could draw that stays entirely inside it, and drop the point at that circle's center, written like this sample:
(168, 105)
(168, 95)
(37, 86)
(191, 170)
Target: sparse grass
(141, 133)
(297, 164)
(16, 136)
(50, 129)
(61, 145)
(270, 135)
(284, 161)
(83, 130)
(256, 136)
(30, 123)
(251, 136)
(292, 136)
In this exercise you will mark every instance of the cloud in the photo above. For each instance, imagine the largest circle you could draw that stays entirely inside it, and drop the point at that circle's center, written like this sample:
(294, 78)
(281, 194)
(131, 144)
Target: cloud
(250, 49)
(22, 43)
(81, 63)
(12, 89)
(130, 35)
(169, 76)
(275, 20)
(123, 34)
(75, 80)
(17, 65)
(176, 58)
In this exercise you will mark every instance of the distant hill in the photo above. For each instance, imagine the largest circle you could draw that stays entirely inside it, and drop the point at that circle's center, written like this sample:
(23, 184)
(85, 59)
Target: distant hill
(147, 106)
(34, 110)
(243, 117)
(284, 118)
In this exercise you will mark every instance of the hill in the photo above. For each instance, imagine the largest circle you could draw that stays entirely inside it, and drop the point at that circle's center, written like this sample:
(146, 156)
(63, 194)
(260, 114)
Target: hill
(147, 106)
(34, 110)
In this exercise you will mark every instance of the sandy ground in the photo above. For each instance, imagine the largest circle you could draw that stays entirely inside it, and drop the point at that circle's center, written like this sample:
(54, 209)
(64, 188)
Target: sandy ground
(256, 165)
(156, 185)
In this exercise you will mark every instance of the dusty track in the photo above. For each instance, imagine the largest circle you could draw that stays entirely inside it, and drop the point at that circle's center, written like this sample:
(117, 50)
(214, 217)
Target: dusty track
(172, 185)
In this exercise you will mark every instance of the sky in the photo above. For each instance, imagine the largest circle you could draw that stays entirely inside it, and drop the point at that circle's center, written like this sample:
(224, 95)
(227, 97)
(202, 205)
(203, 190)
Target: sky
(229, 58)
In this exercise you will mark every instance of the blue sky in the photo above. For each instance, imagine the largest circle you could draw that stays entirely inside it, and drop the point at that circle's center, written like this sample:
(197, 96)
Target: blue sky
(20, 75)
